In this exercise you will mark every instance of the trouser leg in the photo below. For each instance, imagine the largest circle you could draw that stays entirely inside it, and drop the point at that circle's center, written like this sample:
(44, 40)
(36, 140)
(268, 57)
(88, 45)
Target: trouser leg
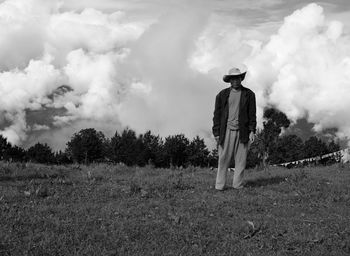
(225, 154)
(240, 154)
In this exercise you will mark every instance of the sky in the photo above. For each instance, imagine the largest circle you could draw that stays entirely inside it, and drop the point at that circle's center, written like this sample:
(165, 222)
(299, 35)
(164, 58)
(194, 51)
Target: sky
(158, 65)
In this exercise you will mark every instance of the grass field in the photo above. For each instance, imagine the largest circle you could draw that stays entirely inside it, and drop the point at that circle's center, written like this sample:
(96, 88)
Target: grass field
(117, 210)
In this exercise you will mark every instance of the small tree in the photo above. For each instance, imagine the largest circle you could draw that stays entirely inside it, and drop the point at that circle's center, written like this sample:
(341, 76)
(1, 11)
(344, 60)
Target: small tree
(40, 153)
(4, 146)
(86, 146)
(15, 153)
(62, 158)
(333, 147)
(273, 123)
(198, 152)
(254, 155)
(287, 149)
(125, 147)
(175, 149)
(213, 158)
(153, 149)
(314, 147)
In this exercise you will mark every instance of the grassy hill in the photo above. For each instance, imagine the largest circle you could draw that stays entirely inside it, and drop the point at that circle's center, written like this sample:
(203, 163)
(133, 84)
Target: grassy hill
(118, 210)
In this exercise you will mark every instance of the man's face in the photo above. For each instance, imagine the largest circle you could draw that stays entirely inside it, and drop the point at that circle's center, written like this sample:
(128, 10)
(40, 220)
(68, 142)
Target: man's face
(236, 82)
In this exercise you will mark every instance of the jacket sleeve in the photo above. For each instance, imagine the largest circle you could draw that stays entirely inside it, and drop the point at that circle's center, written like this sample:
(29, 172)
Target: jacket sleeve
(217, 116)
(252, 113)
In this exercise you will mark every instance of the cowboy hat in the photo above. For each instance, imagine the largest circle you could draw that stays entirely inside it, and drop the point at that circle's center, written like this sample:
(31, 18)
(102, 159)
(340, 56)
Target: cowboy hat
(233, 72)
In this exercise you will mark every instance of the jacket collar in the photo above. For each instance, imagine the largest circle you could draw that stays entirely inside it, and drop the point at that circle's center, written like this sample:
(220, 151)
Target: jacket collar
(243, 95)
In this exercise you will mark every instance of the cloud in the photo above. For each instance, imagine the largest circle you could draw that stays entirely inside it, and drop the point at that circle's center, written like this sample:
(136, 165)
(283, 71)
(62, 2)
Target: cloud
(170, 96)
(38, 127)
(107, 70)
(21, 90)
(215, 49)
(304, 70)
(22, 31)
(118, 73)
(222, 46)
(94, 79)
(91, 30)
(43, 48)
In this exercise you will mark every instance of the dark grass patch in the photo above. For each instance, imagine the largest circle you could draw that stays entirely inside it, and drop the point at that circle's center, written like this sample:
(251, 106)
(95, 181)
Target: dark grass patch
(165, 185)
(27, 172)
(265, 181)
(30, 177)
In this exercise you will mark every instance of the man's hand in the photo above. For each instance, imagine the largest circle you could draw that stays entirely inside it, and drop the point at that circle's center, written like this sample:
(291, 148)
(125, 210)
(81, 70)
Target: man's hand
(251, 137)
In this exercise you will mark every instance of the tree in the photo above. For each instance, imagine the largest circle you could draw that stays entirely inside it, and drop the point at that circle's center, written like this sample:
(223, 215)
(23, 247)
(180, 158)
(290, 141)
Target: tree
(198, 152)
(175, 149)
(314, 147)
(213, 158)
(153, 149)
(86, 146)
(15, 153)
(62, 158)
(4, 146)
(139, 152)
(274, 122)
(333, 147)
(40, 153)
(254, 155)
(126, 147)
(131, 149)
(287, 149)
(107, 151)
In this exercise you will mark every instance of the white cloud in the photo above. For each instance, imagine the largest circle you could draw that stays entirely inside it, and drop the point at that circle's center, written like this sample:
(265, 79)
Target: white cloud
(94, 78)
(215, 49)
(163, 76)
(173, 98)
(17, 131)
(38, 127)
(304, 70)
(22, 31)
(92, 31)
(25, 89)
(42, 48)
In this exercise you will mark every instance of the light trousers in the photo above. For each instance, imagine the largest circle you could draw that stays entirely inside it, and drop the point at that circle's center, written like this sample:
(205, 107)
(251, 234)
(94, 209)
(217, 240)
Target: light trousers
(232, 148)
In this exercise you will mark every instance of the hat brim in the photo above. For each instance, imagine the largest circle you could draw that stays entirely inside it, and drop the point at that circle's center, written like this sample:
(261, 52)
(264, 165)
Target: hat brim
(227, 78)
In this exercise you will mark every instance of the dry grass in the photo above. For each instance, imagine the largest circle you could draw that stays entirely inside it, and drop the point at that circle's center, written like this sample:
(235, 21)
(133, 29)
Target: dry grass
(118, 210)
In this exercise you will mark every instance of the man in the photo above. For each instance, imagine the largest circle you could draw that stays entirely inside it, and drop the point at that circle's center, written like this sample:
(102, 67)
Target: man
(234, 127)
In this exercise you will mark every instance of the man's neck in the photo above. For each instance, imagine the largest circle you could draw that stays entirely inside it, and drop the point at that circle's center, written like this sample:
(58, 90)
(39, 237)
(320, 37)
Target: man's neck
(236, 88)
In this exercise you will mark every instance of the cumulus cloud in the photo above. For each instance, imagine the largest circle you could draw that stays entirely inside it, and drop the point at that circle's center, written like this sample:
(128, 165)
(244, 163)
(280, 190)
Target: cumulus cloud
(25, 89)
(23, 31)
(17, 129)
(163, 76)
(38, 127)
(92, 31)
(118, 75)
(169, 97)
(43, 48)
(304, 70)
(219, 46)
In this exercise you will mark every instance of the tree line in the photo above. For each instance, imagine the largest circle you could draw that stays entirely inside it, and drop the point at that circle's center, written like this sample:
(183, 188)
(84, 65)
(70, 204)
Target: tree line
(129, 148)
(89, 145)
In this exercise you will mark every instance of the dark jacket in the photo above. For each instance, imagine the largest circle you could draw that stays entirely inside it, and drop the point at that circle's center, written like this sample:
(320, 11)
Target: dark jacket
(246, 117)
